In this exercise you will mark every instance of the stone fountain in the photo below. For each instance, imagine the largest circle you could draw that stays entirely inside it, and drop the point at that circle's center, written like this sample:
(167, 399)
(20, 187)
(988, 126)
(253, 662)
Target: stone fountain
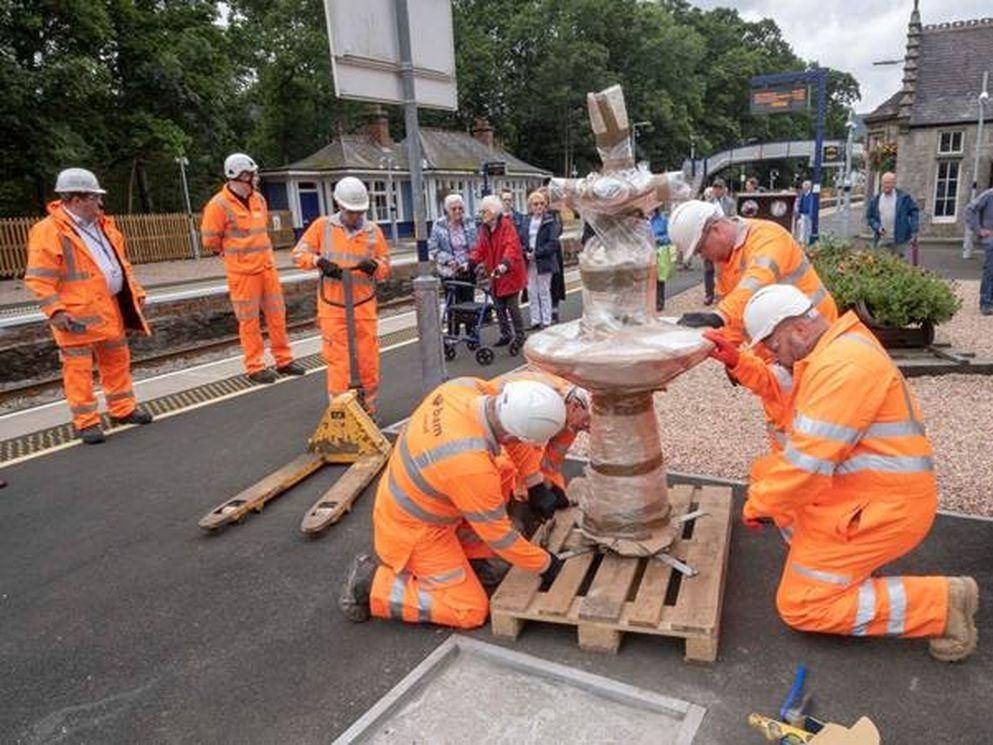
(619, 350)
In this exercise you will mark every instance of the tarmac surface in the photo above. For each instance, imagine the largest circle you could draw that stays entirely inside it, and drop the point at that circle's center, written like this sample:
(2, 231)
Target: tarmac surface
(124, 623)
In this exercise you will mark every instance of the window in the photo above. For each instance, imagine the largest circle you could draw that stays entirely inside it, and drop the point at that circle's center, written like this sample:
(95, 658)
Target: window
(949, 143)
(946, 190)
(379, 210)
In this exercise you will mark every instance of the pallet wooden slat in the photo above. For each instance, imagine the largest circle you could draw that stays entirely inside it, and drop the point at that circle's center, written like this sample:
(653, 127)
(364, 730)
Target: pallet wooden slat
(607, 594)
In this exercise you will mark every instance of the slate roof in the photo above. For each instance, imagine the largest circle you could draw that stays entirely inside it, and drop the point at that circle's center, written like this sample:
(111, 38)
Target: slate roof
(888, 109)
(444, 150)
(950, 69)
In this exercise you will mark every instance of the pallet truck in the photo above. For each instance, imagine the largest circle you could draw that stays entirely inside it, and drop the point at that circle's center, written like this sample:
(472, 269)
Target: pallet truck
(345, 434)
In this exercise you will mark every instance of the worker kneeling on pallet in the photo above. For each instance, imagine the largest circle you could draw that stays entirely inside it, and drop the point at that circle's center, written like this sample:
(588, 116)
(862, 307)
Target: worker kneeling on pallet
(445, 475)
(854, 487)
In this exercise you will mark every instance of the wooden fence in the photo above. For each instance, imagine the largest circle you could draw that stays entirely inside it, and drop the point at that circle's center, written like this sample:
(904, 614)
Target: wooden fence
(149, 238)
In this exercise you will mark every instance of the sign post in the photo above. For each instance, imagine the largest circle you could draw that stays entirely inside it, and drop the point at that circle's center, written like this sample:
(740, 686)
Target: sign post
(375, 56)
(780, 93)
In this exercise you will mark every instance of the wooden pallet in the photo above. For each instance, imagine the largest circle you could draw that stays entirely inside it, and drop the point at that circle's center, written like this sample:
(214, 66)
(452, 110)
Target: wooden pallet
(606, 596)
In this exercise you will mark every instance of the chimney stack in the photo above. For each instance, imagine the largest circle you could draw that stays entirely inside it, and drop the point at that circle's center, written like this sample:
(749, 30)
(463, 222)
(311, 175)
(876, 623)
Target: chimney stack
(378, 127)
(483, 132)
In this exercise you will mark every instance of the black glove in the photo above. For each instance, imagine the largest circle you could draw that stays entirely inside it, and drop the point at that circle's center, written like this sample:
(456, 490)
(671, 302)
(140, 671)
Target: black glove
(368, 266)
(701, 320)
(559, 492)
(329, 268)
(554, 567)
(542, 500)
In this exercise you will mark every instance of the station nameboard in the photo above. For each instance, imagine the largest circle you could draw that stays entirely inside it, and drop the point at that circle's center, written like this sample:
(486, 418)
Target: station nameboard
(778, 99)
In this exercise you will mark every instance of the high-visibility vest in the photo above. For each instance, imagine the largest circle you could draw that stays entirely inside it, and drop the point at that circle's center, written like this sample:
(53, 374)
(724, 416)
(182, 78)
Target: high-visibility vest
(328, 237)
(239, 233)
(769, 255)
(64, 277)
(443, 471)
(856, 434)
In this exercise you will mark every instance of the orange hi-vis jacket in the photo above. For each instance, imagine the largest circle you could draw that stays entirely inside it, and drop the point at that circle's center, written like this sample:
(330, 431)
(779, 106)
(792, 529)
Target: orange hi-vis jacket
(64, 277)
(238, 233)
(443, 470)
(773, 384)
(328, 237)
(768, 255)
(855, 437)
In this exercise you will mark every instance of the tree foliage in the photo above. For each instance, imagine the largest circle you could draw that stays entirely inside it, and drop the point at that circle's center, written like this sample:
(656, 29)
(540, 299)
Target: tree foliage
(124, 87)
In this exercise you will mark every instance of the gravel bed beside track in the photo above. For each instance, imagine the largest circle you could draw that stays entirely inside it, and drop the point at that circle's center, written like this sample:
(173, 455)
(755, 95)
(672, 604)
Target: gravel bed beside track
(710, 427)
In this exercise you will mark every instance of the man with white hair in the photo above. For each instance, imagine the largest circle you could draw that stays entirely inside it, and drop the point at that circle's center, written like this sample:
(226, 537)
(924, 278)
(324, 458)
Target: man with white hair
(803, 212)
(444, 487)
(854, 487)
(893, 216)
(79, 271)
(498, 252)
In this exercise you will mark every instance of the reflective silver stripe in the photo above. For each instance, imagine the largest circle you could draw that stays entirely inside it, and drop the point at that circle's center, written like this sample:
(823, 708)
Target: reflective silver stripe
(48, 300)
(120, 396)
(84, 409)
(776, 434)
(787, 534)
(212, 233)
(783, 376)
(113, 343)
(888, 463)
(818, 296)
(38, 271)
(852, 336)
(489, 516)
(246, 232)
(808, 462)
(423, 606)
(88, 320)
(407, 505)
(248, 250)
(439, 579)
(898, 606)
(769, 264)
(69, 255)
(815, 427)
(465, 382)
(797, 274)
(866, 608)
(906, 428)
(834, 579)
(396, 596)
(750, 283)
(547, 464)
(77, 352)
(412, 466)
(505, 541)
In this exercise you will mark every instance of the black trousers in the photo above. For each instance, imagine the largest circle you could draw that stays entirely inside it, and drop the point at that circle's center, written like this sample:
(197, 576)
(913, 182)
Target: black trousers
(508, 312)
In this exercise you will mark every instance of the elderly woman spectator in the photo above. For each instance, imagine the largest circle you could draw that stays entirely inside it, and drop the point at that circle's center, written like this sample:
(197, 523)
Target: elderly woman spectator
(539, 235)
(452, 238)
(498, 252)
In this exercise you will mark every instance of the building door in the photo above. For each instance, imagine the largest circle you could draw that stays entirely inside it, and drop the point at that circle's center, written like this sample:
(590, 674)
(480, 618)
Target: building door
(310, 203)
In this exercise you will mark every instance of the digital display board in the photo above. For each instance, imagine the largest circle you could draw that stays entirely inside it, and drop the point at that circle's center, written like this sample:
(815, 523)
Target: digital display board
(778, 99)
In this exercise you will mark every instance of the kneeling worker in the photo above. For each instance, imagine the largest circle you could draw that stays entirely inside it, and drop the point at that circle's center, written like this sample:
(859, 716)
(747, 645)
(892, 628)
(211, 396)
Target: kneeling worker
(444, 474)
(855, 482)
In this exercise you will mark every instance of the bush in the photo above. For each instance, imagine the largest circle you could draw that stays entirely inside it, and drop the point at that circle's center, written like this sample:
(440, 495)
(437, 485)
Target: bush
(896, 293)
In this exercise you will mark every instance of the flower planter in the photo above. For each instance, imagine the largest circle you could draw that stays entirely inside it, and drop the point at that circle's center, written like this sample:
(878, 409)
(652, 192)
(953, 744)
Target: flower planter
(896, 337)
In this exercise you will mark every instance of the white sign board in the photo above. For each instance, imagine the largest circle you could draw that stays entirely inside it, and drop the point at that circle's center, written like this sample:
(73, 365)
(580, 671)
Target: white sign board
(365, 54)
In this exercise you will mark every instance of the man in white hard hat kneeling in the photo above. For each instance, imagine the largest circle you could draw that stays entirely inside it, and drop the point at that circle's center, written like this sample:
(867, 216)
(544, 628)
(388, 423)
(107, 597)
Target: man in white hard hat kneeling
(80, 274)
(347, 242)
(442, 488)
(853, 487)
(235, 225)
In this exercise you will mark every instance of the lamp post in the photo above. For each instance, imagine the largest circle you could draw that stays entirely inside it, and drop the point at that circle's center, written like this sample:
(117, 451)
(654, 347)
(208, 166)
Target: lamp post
(981, 100)
(194, 241)
(387, 163)
(847, 184)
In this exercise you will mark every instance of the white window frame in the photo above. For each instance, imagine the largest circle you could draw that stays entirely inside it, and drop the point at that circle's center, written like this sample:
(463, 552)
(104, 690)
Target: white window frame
(935, 217)
(378, 193)
(951, 133)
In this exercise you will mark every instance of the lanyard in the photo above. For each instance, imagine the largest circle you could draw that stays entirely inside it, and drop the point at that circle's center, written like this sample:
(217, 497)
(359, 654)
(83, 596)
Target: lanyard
(98, 236)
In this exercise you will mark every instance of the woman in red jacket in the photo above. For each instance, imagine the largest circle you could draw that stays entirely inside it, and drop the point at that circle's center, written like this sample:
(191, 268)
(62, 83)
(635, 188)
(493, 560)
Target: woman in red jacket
(498, 249)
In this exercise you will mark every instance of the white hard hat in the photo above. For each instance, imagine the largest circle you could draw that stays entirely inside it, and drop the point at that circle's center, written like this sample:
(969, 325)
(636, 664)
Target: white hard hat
(351, 194)
(530, 411)
(771, 305)
(579, 395)
(237, 163)
(77, 180)
(686, 224)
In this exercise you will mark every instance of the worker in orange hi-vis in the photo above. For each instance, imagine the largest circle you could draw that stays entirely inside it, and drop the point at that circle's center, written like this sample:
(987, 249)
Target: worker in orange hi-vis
(443, 477)
(235, 225)
(854, 483)
(80, 274)
(347, 247)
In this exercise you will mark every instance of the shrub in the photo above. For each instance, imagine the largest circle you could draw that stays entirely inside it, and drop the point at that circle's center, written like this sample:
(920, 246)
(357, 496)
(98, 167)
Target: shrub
(896, 293)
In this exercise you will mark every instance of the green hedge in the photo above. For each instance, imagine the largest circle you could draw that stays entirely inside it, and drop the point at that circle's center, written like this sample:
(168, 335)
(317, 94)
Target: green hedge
(896, 293)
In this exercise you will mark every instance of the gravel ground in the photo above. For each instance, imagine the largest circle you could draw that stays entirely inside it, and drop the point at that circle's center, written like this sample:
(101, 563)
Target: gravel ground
(968, 330)
(710, 427)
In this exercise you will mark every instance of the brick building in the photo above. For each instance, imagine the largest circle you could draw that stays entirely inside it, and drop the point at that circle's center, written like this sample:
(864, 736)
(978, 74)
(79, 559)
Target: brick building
(932, 120)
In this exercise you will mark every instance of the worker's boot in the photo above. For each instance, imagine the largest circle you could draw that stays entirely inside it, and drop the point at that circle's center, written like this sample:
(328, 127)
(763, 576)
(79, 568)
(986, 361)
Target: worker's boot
(960, 637)
(138, 416)
(354, 599)
(263, 376)
(292, 368)
(91, 435)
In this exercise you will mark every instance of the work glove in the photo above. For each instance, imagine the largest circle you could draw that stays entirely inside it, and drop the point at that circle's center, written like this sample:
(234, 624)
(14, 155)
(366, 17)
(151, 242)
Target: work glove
(559, 492)
(554, 567)
(543, 501)
(329, 268)
(701, 320)
(723, 351)
(368, 266)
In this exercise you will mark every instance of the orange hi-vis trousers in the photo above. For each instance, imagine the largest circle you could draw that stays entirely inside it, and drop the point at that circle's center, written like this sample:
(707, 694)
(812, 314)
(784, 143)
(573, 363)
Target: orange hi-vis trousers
(827, 584)
(250, 294)
(334, 350)
(114, 363)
